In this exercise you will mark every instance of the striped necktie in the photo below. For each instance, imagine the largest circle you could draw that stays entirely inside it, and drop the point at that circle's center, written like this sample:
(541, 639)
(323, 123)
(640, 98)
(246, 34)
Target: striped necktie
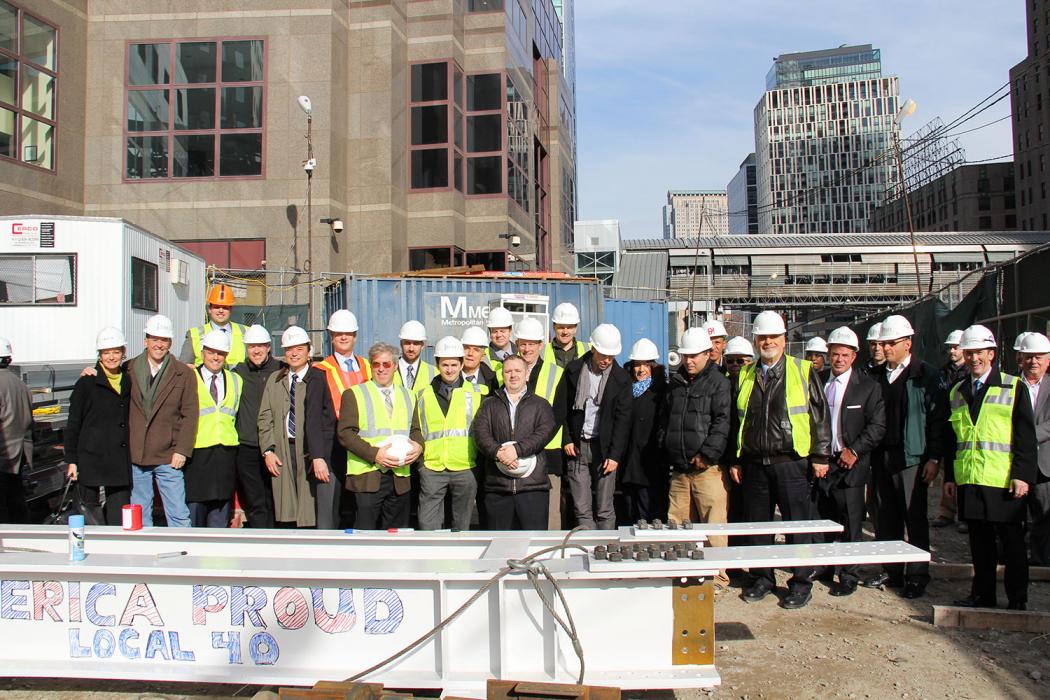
(291, 406)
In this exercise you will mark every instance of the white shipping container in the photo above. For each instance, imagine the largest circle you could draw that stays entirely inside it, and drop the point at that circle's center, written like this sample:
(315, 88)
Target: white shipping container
(64, 278)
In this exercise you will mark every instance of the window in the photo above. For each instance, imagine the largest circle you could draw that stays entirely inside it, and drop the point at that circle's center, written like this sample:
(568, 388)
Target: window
(484, 127)
(194, 109)
(28, 88)
(245, 254)
(984, 203)
(431, 142)
(493, 260)
(38, 279)
(518, 148)
(984, 223)
(143, 285)
(484, 5)
(430, 258)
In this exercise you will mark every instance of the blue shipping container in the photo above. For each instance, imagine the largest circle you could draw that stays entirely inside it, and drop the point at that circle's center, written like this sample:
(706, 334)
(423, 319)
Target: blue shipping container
(636, 320)
(447, 305)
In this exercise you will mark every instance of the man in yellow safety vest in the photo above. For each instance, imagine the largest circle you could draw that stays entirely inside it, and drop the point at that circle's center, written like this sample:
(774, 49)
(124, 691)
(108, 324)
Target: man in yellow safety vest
(220, 306)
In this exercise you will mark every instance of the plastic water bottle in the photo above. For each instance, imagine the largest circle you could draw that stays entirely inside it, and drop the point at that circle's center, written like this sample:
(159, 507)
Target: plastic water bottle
(76, 538)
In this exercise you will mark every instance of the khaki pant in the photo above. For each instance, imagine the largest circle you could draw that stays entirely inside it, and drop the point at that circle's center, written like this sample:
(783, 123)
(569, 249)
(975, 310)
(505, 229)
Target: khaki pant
(708, 491)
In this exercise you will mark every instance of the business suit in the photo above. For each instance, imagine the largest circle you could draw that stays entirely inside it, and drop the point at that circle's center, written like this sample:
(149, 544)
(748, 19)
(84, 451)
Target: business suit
(591, 489)
(1039, 496)
(859, 427)
(992, 513)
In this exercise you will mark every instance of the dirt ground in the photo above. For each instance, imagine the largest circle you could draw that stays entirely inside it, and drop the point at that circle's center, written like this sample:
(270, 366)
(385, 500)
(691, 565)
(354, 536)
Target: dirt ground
(872, 644)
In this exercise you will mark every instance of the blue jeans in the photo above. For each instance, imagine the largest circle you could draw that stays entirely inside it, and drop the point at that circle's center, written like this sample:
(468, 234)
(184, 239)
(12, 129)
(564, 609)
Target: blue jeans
(172, 489)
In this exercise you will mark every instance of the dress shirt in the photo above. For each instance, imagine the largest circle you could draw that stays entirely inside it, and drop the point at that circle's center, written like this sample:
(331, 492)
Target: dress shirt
(892, 374)
(983, 379)
(513, 404)
(840, 383)
(343, 359)
(402, 367)
(220, 385)
(1033, 389)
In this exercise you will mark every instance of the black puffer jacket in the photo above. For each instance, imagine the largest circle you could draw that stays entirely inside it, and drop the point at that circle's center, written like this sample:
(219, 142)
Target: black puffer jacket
(767, 428)
(534, 426)
(696, 416)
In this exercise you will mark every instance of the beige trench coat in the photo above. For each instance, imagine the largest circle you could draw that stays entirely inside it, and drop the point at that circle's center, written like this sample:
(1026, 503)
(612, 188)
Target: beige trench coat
(292, 499)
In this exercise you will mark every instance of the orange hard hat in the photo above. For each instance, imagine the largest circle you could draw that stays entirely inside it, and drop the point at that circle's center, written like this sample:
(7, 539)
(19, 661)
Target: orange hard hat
(221, 295)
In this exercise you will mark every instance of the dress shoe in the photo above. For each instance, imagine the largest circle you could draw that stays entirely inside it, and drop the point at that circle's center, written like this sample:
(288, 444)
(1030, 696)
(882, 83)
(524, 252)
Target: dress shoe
(756, 593)
(881, 580)
(844, 588)
(942, 522)
(1016, 606)
(974, 602)
(962, 528)
(912, 591)
(796, 600)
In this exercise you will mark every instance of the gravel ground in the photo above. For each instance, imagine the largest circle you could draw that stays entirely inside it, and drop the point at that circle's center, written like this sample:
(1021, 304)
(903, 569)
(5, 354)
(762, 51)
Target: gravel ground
(873, 644)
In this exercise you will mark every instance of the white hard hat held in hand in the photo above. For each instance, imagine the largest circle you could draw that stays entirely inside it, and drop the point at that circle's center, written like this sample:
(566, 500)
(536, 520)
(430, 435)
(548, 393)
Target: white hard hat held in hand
(769, 323)
(342, 321)
(108, 338)
(565, 314)
(605, 338)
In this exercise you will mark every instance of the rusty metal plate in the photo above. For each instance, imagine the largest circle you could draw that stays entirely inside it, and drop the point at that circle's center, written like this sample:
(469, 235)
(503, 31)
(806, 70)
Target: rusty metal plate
(693, 634)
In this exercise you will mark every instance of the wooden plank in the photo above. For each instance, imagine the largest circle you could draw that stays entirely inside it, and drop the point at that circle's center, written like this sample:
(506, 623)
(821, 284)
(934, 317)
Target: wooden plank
(990, 619)
(964, 571)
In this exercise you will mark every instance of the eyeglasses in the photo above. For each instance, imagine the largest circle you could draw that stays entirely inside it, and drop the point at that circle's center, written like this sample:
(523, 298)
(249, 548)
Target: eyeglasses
(890, 343)
(736, 361)
(382, 365)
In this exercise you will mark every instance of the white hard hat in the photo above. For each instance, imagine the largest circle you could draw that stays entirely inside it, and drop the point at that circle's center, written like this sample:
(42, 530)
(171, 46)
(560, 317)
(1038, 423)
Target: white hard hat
(895, 327)
(769, 323)
(397, 447)
(159, 326)
(844, 336)
(740, 346)
(528, 328)
(109, 337)
(873, 332)
(413, 330)
(526, 465)
(216, 340)
(565, 314)
(257, 335)
(816, 344)
(694, 340)
(1035, 344)
(643, 350)
(476, 336)
(5, 347)
(449, 346)
(500, 317)
(605, 338)
(953, 338)
(977, 338)
(1020, 338)
(294, 335)
(342, 321)
(715, 329)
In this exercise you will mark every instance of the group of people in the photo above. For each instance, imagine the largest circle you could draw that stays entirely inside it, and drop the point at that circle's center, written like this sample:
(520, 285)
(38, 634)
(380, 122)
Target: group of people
(508, 431)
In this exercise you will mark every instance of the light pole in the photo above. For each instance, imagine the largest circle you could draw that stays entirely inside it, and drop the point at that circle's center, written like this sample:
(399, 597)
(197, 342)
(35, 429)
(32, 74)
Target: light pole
(906, 110)
(308, 166)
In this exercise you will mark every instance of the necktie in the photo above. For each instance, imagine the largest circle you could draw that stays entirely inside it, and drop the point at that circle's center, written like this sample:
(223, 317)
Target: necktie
(215, 388)
(291, 406)
(411, 377)
(472, 379)
(765, 373)
(976, 386)
(349, 365)
(389, 401)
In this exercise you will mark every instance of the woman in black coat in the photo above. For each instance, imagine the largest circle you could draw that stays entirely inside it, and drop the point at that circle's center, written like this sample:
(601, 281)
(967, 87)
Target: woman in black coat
(96, 435)
(643, 474)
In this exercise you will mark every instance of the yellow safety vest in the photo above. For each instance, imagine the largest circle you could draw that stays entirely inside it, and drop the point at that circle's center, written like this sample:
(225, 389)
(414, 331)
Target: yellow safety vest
(376, 425)
(546, 386)
(448, 442)
(796, 385)
(983, 454)
(217, 423)
(495, 364)
(237, 350)
(424, 375)
(548, 351)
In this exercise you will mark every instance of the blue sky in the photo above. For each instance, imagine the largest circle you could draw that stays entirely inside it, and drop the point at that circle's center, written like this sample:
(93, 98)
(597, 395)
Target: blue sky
(666, 88)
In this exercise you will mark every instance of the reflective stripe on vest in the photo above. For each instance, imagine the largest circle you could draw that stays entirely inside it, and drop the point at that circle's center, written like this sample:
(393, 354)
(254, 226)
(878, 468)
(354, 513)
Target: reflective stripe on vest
(237, 351)
(217, 424)
(984, 452)
(548, 351)
(448, 442)
(424, 375)
(375, 425)
(796, 386)
(546, 386)
(339, 380)
(495, 364)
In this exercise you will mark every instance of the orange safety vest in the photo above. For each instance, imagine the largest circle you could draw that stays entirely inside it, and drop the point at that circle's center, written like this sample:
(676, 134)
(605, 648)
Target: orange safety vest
(339, 380)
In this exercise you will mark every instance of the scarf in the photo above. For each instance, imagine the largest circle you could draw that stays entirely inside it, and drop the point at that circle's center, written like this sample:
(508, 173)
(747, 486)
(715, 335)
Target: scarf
(639, 388)
(145, 383)
(584, 387)
(113, 379)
